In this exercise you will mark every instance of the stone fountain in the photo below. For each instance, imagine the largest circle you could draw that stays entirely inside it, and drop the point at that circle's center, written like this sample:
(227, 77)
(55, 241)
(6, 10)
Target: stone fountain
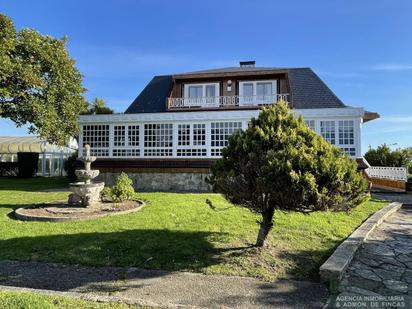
(86, 193)
(83, 204)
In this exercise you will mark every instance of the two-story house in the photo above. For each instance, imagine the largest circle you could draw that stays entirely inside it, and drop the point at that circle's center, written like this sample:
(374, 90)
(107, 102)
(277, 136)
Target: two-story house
(171, 133)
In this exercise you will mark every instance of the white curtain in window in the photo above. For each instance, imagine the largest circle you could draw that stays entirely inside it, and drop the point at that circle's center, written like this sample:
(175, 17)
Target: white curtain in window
(210, 91)
(264, 89)
(248, 90)
(195, 91)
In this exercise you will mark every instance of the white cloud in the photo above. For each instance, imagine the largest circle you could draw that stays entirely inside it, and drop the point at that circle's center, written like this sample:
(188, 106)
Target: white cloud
(119, 62)
(349, 75)
(397, 119)
(387, 130)
(392, 67)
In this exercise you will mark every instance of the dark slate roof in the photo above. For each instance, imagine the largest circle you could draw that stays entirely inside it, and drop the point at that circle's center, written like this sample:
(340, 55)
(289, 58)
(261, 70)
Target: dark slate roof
(309, 91)
(306, 88)
(153, 97)
(232, 70)
(362, 163)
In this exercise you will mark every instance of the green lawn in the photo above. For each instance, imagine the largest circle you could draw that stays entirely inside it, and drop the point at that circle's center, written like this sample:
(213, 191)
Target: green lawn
(23, 300)
(175, 232)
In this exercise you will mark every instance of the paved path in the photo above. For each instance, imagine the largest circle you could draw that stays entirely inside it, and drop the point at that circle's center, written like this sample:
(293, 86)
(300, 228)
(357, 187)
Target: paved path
(405, 198)
(170, 289)
(383, 265)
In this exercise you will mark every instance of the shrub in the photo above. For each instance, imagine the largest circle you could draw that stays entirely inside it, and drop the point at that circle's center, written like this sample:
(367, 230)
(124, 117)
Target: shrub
(70, 166)
(106, 194)
(9, 168)
(280, 163)
(121, 191)
(409, 183)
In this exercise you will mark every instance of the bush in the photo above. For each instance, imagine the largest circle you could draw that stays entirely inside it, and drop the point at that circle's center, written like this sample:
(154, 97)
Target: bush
(409, 183)
(70, 166)
(9, 168)
(106, 194)
(121, 191)
(280, 163)
(28, 163)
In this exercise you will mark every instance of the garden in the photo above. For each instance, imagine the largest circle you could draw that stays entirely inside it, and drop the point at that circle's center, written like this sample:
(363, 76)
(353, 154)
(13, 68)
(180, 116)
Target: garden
(175, 231)
(301, 208)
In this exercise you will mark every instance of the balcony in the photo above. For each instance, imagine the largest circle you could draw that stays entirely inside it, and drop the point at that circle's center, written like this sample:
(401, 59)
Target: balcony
(225, 101)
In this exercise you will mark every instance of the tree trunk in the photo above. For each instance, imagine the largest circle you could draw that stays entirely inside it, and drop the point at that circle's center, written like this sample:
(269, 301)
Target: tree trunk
(265, 226)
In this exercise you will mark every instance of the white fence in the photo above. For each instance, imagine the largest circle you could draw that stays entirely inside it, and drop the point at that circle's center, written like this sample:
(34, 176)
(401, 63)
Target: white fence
(385, 172)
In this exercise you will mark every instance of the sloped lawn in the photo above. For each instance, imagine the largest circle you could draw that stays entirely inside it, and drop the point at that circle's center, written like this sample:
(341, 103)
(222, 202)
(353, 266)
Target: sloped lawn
(175, 232)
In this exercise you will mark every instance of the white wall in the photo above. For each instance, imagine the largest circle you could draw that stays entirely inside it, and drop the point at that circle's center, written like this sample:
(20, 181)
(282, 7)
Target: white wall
(208, 117)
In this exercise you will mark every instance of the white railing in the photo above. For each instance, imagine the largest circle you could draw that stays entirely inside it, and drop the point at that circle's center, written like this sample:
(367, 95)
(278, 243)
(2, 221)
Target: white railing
(226, 101)
(386, 172)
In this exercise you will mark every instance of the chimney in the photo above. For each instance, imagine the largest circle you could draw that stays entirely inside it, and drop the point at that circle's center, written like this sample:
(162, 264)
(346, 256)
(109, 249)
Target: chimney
(247, 64)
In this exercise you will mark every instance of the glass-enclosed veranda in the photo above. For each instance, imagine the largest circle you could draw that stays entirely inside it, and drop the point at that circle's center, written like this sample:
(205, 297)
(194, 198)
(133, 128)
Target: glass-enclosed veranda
(51, 157)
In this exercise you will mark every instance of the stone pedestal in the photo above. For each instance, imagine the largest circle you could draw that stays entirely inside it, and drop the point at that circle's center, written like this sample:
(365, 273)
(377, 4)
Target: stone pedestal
(85, 194)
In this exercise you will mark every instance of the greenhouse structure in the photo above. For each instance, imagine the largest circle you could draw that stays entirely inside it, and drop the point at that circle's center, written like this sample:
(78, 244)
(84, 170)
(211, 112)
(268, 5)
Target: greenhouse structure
(51, 157)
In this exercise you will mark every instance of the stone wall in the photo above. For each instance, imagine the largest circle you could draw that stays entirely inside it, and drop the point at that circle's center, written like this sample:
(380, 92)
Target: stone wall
(173, 182)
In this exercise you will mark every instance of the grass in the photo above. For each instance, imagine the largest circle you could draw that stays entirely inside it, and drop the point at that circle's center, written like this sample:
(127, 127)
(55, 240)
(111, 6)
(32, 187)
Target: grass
(20, 300)
(176, 232)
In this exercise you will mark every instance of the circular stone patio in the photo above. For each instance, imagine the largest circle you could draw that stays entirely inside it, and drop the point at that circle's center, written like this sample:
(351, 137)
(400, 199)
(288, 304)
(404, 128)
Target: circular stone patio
(60, 211)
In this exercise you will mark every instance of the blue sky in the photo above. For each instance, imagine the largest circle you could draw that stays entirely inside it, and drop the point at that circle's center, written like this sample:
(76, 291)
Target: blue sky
(361, 49)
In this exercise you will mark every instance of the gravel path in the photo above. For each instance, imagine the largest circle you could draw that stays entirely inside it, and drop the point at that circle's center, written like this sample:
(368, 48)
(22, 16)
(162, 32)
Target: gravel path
(164, 289)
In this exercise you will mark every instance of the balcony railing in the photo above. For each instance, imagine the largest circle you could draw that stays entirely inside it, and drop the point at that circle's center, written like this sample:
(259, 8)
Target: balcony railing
(225, 101)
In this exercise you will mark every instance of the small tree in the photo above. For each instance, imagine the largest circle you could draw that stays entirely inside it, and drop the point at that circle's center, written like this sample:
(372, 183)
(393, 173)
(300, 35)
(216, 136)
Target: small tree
(98, 106)
(280, 163)
(384, 156)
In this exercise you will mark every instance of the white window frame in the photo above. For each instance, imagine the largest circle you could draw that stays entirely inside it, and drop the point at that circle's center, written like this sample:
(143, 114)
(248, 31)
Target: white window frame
(187, 150)
(203, 100)
(352, 149)
(125, 150)
(342, 141)
(216, 150)
(255, 100)
(99, 144)
(160, 135)
(308, 122)
(332, 131)
(186, 88)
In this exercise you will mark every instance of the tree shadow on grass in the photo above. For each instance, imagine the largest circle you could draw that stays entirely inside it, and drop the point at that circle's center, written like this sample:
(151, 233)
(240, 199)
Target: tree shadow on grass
(32, 184)
(16, 206)
(143, 250)
(305, 264)
(149, 249)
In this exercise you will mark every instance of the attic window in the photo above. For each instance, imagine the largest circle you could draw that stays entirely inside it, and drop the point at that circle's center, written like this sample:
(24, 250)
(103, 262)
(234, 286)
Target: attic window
(208, 90)
(247, 64)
